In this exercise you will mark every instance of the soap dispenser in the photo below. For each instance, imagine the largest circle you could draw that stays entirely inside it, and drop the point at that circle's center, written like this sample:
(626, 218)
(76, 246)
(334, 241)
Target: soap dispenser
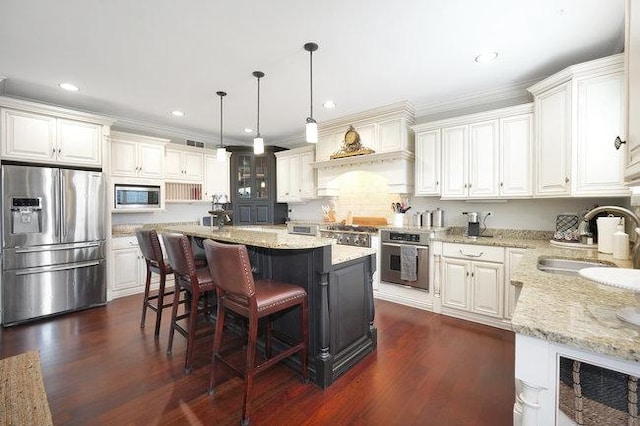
(620, 243)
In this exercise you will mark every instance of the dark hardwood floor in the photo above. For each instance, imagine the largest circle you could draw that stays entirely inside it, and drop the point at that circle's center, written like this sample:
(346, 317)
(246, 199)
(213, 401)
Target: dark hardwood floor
(99, 367)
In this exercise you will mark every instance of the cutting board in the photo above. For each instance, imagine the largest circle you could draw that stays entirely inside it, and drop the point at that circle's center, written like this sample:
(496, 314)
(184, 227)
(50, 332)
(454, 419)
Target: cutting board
(369, 221)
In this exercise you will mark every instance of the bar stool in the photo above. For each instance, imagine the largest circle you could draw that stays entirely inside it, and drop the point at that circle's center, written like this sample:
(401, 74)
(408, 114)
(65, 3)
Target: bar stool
(196, 282)
(231, 271)
(156, 263)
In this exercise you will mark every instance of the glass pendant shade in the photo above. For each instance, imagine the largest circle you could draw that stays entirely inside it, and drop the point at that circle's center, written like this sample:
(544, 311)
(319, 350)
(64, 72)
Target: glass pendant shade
(221, 154)
(258, 146)
(311, 131)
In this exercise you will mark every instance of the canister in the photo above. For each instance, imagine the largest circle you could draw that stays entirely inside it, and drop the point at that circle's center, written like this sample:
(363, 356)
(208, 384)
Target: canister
(437, 218)
(425, 219)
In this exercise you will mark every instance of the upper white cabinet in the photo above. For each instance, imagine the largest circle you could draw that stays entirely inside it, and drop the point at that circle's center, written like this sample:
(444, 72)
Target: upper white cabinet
(137, 156)
(480, 156)
(428, 159)
(295, 175)
(216, 176)
(184, 164)
(516, 145)
(42, 134)
(578, 114)
(632, 84)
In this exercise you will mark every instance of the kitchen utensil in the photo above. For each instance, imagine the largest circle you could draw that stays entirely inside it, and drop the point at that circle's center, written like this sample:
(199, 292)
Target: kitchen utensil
(425, 221)
(473, 224)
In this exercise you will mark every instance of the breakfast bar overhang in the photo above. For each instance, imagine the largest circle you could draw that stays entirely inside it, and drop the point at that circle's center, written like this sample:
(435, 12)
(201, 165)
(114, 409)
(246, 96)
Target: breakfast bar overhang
(338, 281)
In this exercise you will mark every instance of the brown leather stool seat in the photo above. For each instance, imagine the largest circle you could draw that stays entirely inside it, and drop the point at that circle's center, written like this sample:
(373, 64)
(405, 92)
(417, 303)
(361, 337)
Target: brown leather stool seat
(231, 271)
(197, 283)
(156, 263)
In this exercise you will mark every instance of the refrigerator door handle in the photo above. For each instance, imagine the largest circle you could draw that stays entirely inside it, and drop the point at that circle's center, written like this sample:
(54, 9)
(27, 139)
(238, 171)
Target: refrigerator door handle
(63, 206)
(57, 247)
(67, 267)
(56, 204)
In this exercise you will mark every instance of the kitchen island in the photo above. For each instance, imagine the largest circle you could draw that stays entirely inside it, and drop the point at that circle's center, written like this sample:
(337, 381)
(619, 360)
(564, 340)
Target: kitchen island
(338, 280)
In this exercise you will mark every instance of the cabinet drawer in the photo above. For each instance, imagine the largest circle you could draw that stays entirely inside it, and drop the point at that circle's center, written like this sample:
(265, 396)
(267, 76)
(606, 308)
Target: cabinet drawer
(473, 252)
(124, 242)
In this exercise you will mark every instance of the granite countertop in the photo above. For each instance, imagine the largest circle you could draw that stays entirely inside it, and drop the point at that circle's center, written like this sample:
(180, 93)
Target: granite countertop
(275, 237)
(570, 309)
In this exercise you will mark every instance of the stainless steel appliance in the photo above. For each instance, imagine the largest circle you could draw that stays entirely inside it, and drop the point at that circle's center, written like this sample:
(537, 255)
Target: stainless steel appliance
(311, 229)
(350, 235)
(53, 241)
(136, 196)
(391, 261)
(473, 224)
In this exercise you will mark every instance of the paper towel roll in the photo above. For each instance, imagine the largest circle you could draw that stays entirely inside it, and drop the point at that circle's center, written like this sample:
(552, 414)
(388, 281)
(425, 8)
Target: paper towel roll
(606, 228)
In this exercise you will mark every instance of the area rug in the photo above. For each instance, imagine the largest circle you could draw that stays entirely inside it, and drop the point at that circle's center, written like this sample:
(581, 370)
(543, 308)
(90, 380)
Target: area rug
(23, 400)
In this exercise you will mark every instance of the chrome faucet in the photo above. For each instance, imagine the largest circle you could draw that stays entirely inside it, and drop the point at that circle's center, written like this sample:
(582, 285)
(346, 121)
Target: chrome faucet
(635, 251)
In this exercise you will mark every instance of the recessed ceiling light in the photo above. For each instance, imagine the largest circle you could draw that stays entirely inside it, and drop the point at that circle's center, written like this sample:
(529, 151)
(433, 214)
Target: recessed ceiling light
(247, 130)
(178, 113)
(486, 57)
(68, 86)
(329, 104)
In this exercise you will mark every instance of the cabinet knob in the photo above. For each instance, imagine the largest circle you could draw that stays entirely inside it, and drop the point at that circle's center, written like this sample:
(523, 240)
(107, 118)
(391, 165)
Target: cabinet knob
(465, 185)
(469, 185)
(566, 180)
(53, 151)
(467, 274)
(437, 182)
(618, 142)
(501, 184)
(59, 151)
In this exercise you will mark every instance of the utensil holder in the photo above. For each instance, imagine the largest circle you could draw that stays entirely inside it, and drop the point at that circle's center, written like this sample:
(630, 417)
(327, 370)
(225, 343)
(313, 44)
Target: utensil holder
(398, 220)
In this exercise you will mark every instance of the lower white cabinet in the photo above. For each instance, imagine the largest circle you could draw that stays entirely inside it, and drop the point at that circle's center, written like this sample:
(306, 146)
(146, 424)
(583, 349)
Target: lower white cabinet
(473, 279)
(128, 268)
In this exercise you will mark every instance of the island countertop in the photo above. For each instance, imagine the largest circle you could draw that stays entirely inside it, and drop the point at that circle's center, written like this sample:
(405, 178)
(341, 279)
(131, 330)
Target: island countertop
(275, 237)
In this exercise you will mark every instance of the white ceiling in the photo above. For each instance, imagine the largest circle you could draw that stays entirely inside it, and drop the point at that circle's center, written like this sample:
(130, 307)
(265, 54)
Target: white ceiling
(139, 60)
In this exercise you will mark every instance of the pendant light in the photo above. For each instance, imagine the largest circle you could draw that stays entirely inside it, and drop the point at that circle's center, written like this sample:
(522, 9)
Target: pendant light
(221, 152)
(258, 142)
(312, 126)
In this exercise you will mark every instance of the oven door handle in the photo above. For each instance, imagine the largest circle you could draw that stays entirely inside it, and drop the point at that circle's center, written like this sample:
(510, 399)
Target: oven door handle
(419, 247)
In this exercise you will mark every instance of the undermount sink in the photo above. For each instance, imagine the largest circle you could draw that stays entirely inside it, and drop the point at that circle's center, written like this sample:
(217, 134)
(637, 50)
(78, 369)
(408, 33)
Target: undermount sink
(569, 266)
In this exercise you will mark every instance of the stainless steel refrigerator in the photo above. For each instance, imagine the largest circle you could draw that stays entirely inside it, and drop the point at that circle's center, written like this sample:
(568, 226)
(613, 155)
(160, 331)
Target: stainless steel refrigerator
(53, 241)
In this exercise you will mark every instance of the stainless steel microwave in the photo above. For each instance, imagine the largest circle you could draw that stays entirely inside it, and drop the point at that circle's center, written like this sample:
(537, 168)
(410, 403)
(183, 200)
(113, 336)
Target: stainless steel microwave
(136, 196)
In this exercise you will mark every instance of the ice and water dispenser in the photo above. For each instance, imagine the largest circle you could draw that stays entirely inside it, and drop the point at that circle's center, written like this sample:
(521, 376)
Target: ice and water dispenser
(26, 215)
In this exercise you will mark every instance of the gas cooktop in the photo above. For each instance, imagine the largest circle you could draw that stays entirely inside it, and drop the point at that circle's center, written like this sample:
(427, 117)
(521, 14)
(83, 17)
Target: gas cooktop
(351, 228)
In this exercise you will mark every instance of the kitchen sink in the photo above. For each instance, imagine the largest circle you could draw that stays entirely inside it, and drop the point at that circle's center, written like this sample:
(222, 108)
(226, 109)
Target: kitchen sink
(569, 266)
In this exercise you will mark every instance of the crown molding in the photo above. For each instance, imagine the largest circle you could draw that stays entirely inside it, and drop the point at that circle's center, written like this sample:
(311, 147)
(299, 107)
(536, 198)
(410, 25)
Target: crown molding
(480, 116)
(504, 93)
(3, 85)
(58, 111)
(609, 64)
(403, 109)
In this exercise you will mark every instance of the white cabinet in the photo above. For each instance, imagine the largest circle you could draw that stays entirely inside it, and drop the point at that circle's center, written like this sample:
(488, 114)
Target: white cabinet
(128, 267)
(137, 156)
(427, 163)
(470, 160)
(632, 84)
(30, 136)
(479, 156)
(473, 279)
(511, 293)
(516, 144)
(184, 164)
(295, 176)
(579, 112)
(216, 176)
(553, 153)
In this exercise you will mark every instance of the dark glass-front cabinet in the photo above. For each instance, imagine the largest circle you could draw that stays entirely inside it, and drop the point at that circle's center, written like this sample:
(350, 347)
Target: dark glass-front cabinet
(253, 188)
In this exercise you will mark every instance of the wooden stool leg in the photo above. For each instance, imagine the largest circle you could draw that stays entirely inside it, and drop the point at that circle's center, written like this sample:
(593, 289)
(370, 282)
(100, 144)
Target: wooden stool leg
(191, 337)
(160, 305)
(174, 314)
(267, 338)
(145, 300)
(304, 354)
(217, 343)
(251, 358)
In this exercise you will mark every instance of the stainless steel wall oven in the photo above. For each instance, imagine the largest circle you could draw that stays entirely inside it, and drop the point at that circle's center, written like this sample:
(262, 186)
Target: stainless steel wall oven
(413, 258)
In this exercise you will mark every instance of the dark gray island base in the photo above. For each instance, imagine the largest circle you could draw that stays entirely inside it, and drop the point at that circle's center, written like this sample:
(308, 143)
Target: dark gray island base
(339, 287)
